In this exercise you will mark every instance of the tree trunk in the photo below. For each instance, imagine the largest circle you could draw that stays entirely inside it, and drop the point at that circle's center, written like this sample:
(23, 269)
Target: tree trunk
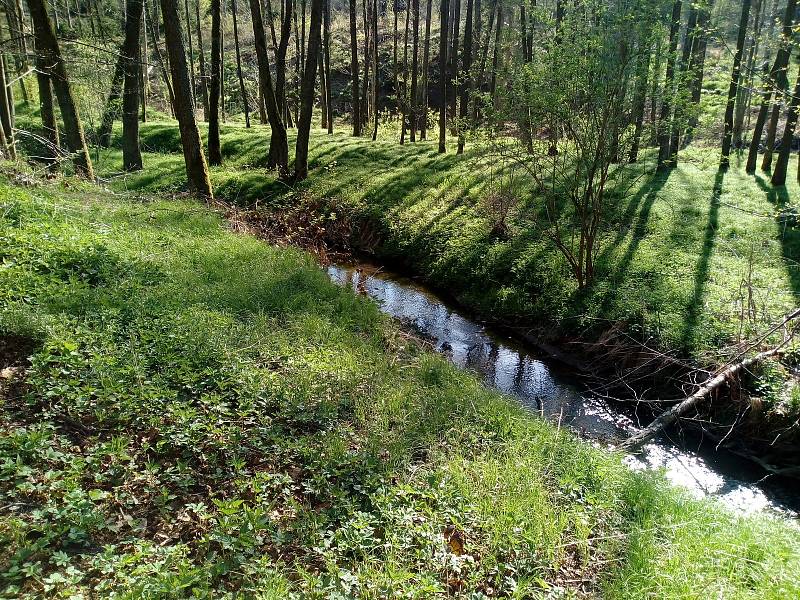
(743, 91)
(734, 85)
(242, 89)
(131, 153)
(214, 150)
(327, 57)
(639, 98)
(375, 70)
(323, 88)
(196, 168)
(47, 45)
(278, 156)
(366, 10)
(456, 25)
(404, 97)
(413, 117)
(779, 174)
(202, 88)
(466, 86)
(152, 26)
(112, 104)
(697, 60)
(47, 112)
(280, 59)
(496, 53)
(307, 92)
(395, 71)
(426, 57)
(5, 111)
(354, 69)
(444, 13)
(683, 69)
(192, 76)
(664, 126)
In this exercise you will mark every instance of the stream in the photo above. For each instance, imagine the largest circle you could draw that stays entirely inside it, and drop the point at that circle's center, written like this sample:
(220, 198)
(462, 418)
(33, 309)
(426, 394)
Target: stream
(554, 391)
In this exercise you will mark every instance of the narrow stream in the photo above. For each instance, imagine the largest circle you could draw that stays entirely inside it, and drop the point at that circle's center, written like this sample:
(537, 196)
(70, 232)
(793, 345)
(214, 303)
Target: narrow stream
(552, 390)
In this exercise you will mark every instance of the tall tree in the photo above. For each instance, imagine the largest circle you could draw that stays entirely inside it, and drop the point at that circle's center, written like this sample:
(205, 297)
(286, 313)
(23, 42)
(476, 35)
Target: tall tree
(777, 75)
(192, 77)
(466, 83)
(779, 174)
(734, 85)
(280, 60)
(327, 58)
(426, 57)
(444, 13)
(196, 168)
(242, 89)
(47, 46)
(664, 125)
(307, 92)
(214, 150)
(375, 70)
(47, 112)
(697, 59)
(453, 56)
(112, 103)
(354, 69)
(413, 113)
(131, 153)
(404, 86)
(278, 156)
(6, 124)
(202, 87)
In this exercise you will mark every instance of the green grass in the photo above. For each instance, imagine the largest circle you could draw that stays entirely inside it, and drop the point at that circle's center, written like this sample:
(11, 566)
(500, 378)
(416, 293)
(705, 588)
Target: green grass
(205, 415)
(678, 257)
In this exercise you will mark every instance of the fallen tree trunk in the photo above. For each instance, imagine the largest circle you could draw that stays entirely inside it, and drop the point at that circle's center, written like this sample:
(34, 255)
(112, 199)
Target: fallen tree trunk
(668, 417)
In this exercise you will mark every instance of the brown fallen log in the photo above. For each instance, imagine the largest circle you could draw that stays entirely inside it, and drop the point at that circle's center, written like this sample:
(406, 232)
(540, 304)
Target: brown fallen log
(725, 374)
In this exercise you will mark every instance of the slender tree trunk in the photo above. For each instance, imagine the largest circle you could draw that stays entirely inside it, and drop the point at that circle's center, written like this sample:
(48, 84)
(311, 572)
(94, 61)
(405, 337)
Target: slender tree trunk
(697, 60)
(131, 153)
(375, 70)
(278, 156)
(152, 26)
(395, 70)
(734, 85)
(639, 98)
(743, 91)
(5, 111)
(466, 85)
(192, 76)
(404, 91)
(196, 168)
(444, 13)
(242, 89)
(327, 57)
(144, 59)
(413, 118)
(280, 59)
(496, 53)
(202, 88)
(366, 7)
(47, 45)
(664, 126)
(47, 112)
(682, 80)
(112, 103)
(354, 69)
(454, 88)
(214, 149)
(779, 174)
(323, 88)
(426, 57)
(307, 92)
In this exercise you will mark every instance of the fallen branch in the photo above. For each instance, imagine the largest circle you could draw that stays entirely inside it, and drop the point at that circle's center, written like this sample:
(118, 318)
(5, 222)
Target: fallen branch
(722, 375)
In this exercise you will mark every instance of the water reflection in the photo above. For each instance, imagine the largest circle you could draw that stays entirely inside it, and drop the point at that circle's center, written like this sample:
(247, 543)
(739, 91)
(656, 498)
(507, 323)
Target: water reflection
(549, 390)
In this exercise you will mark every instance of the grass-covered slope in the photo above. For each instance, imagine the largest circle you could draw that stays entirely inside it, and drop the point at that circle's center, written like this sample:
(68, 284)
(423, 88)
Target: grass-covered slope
(693, 259)
(186, 411)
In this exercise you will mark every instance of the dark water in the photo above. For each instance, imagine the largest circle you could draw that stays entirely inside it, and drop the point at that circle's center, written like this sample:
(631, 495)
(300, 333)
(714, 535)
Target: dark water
(556, 393)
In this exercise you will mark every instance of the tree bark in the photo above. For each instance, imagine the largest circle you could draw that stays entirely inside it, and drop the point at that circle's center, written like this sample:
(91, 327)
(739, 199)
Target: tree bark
(131, 153)
(466, 85)
(192, 76)
(779, 174)
(426, 57)
(47, 45)
(444, 13)
(743, 92)
(327, 58)
(242, 89)
(203, 86)
(404, 96)
(413, 117)
(152, 26)
(5, 111)
(280, 59)
(496, 53)
(664, 126)
(456, 25)
(47, 112)
(697, 59)
(307, 92)
(639, 98)
(375, 70)
(196, 168)
(112, 103)
(214, 149)
(734, 85)
(354, 69)
(278, 156)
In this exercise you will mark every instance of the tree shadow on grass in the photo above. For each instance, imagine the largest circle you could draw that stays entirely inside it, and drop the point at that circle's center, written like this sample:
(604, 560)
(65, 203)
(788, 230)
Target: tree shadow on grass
(788, 231)
(694, 309)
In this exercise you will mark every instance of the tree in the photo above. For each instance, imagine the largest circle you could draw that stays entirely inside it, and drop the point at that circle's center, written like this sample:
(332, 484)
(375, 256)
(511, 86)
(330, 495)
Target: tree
(779, 174)
(196, 168)
(327, 58)
(214, 150)
(280, 61)
(47, 46)
(777, 74)
(278, 156)
(202, 87)
(47, 112)
(354, 69)
(444, 12)
(307, 92)
(423, 118)
(242, 89)
(664, 126)
(112, 103)
(467, 72)
(413, 117)
(131, 153)
(734, 85)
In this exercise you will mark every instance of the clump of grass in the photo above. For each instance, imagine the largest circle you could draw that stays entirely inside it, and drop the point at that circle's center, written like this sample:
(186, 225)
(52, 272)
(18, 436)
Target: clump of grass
(202, 414)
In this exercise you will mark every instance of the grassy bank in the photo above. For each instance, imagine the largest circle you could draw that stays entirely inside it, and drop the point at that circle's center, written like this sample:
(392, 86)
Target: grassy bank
(202, 414)
(693, 260)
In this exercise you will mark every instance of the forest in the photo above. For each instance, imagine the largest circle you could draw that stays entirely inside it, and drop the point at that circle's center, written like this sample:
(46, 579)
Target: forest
(399, 299)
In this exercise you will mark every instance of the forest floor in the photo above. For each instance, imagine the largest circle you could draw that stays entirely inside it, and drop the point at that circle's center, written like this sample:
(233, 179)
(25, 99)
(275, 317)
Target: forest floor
(188, 411)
